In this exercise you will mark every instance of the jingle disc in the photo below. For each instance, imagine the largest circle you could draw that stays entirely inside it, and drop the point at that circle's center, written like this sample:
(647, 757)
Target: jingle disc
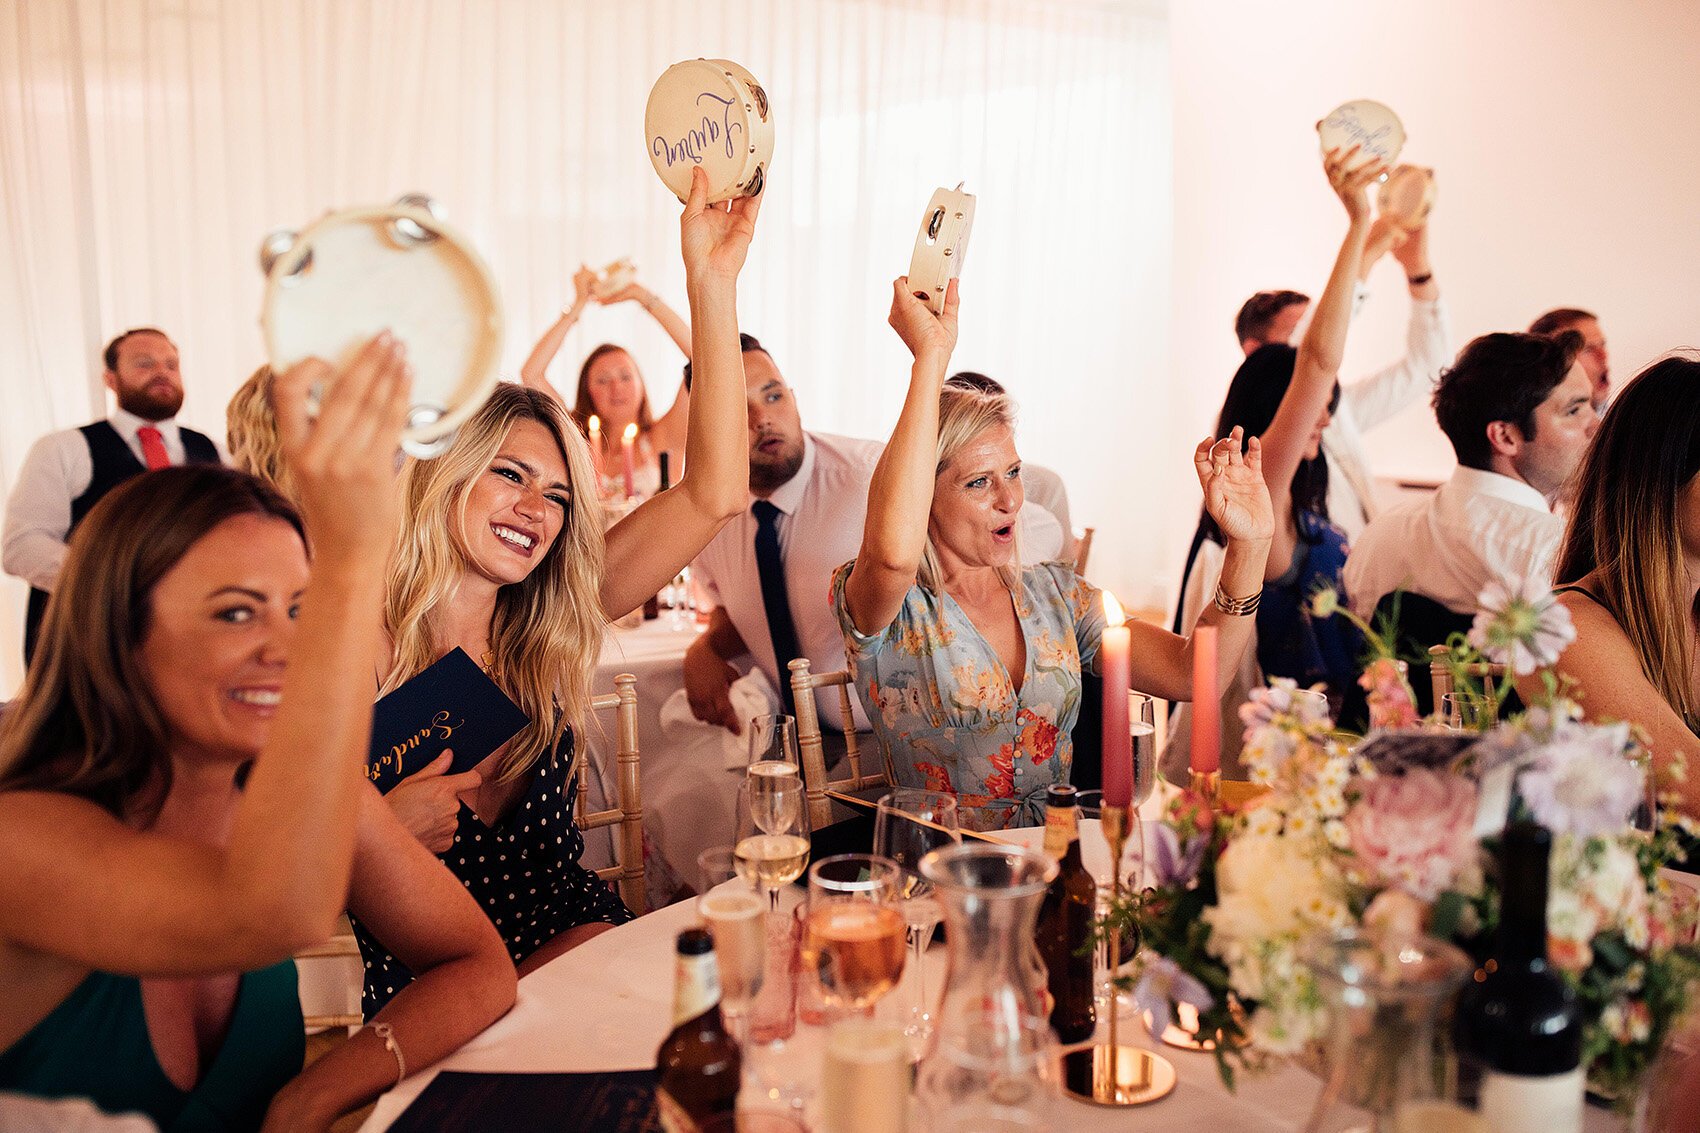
(941, 245)
(712, 113)
(1374, 128)
(1407, 196)
(398, 268)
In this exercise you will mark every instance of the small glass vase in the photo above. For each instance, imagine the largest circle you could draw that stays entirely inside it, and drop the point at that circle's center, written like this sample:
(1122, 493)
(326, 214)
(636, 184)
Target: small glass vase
(1387, 1051)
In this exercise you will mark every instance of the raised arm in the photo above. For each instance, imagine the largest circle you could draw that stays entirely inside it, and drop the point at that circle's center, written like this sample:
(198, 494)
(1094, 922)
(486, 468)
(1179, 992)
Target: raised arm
(1319, 356)
(670, 427)
(900, 494)
(647, 548)
(533, 373)
(78, 884)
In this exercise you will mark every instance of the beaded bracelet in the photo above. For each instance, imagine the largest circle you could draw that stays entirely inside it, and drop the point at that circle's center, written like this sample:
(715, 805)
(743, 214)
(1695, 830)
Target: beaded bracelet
(1237, 607)
(387, 1033)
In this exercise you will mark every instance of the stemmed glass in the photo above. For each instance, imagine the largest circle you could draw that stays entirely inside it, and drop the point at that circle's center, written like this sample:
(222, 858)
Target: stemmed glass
(910, 824)
(853, 938)
(773, 844)
(735, 917)
(773, 745)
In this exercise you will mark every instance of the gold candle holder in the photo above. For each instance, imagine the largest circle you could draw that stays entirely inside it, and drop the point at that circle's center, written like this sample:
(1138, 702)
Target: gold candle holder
(1110, 1074)
(1206, 784)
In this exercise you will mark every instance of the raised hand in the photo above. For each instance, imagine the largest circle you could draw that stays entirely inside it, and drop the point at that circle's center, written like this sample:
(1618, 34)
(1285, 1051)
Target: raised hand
(630, 293)
(344, 460)
(584, 286)
(923, 332)
(1235, 495)
(1352, 185)
(715, 238)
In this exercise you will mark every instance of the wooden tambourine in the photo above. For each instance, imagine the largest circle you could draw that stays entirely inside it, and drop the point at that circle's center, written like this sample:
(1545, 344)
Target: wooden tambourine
(712, 113)
(615, 277)
(1407, 196)
(1374, 128)
(354, 273)
(941, 245)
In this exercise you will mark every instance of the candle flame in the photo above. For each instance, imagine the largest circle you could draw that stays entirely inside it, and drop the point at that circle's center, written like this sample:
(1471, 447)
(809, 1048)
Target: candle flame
(631, 433)
(1113, 614)
(595, 423)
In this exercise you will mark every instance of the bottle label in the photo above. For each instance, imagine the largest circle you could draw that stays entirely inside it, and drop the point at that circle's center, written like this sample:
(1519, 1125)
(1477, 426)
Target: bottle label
(1515, 1103)
(696, 987)
(674, 1117)
(1062, 826)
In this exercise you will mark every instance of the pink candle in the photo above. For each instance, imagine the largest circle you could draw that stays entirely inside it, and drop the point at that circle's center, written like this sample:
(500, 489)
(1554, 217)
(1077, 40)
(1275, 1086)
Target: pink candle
(1206, 703)
(627, 440)
(1113, 665)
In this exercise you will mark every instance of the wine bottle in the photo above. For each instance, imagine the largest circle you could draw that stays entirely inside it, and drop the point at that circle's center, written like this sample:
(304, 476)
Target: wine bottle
(1519, 1024)
(698, 1067)
(652, 604)
(1065, 921)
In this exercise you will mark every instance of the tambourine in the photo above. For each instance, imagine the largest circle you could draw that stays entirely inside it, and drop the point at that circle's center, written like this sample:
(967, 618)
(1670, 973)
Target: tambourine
(614, 278)
(1369, 125)
(1407, 196)
(712, 113)
(941, 245)
(356, 272)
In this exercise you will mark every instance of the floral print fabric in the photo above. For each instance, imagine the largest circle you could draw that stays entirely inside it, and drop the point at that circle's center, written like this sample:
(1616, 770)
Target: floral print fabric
(944, 708)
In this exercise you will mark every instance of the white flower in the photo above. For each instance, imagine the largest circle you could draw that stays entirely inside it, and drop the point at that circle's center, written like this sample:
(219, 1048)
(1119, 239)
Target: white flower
(1520, 624)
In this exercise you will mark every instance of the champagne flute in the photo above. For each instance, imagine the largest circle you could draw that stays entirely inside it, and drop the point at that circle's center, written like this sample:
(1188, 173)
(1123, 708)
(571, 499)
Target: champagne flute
(853, 938)
(773, 845)
(909, 824)
(736, 919)
(773, 753)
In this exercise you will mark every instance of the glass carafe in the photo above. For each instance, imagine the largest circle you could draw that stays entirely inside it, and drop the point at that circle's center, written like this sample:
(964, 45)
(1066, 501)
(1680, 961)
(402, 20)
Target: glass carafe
(990, 1067)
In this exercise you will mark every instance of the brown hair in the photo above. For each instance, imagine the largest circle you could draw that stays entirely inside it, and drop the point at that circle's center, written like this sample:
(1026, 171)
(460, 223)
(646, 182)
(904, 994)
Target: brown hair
(1560, 319)
(1625, 526)
(1499, 377)
(85, 722)
(1259, 311)
(584, 405)
(110, 354)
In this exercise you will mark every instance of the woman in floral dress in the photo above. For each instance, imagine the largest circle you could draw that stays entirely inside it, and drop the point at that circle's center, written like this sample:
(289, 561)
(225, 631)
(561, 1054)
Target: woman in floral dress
(969, 665)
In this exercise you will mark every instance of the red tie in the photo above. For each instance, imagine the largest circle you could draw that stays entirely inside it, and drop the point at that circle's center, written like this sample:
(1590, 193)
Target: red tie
(153, 447)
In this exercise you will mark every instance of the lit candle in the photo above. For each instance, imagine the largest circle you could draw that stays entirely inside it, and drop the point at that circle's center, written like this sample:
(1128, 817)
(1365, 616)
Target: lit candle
(1206, 703)
(1113, 651)
(627, 440)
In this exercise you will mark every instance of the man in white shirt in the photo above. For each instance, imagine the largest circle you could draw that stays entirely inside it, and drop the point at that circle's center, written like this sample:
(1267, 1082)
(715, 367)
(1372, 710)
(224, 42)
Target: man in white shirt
(66, 473)
(809, 494)
(1517, 410)
(1274, 316)
(1594, 358)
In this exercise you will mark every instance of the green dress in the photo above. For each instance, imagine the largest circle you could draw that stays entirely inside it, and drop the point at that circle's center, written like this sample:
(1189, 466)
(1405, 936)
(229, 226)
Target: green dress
(95, 1045)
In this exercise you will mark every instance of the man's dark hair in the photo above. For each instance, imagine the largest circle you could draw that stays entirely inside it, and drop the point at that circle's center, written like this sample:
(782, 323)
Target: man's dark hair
(1499, 377)
(974, 380)
(1560, 318)
(1260, 310)
(746, 343)
(111, 354)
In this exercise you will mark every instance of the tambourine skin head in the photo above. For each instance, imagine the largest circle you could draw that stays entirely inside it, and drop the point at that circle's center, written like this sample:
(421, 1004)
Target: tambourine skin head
(611, 279)
(714, 114)
(360, 271)
(941, 245)
(1407, 196)
(1367, 124)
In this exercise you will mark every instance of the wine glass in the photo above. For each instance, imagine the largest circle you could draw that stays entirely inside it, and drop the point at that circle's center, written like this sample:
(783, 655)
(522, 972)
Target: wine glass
(773, 844)
(853, 938)
(773, 749)
(735, 915)
(909, 824)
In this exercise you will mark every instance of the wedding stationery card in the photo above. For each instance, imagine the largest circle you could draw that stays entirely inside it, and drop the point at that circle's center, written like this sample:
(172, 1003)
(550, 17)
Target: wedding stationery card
(621, 1102)
(453, 705)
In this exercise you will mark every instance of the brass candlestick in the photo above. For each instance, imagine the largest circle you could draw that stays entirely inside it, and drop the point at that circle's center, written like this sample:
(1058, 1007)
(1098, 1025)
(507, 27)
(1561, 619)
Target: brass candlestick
(1108, 1073)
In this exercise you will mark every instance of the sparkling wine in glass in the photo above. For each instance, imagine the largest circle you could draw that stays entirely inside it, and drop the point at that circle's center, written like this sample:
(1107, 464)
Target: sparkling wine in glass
(910, 824)
(736, 916)
(853, 939)
(773, 745)
(773, 846)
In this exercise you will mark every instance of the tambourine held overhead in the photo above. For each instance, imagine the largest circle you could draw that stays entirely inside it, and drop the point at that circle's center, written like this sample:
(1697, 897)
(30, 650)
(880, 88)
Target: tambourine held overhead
(1407, 196)
(941, 245)
(712, 113)
(1369, 125)
(353, 273)
(613, 278)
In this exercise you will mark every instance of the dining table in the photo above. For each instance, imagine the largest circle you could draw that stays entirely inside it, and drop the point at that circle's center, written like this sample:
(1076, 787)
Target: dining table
(606, 1005)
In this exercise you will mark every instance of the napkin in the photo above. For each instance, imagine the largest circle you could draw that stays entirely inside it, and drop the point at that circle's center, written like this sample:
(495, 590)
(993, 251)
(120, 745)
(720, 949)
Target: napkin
(751, 696)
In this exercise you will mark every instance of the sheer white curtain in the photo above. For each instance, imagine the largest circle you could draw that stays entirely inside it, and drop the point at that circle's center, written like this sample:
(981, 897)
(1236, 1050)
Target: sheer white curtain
(146, 145)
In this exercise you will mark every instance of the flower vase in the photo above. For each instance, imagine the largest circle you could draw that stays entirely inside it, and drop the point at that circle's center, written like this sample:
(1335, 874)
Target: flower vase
(1387, 1051)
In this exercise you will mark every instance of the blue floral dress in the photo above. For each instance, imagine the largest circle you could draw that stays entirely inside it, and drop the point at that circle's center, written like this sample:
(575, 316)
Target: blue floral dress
(943, 707)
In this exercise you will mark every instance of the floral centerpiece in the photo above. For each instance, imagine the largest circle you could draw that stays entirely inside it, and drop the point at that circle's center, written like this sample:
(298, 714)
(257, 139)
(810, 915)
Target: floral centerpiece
(1395, 832)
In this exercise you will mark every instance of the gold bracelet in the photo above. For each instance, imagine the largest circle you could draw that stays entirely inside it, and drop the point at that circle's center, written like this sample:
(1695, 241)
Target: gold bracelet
(387, 1033)
(1237, 607)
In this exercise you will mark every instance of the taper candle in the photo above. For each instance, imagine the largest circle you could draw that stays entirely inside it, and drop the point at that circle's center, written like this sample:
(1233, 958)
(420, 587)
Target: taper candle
(1113, 666)
(1206, 703)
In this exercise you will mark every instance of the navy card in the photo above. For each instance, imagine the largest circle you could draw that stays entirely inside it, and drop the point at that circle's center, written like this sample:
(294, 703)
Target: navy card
(451, 705)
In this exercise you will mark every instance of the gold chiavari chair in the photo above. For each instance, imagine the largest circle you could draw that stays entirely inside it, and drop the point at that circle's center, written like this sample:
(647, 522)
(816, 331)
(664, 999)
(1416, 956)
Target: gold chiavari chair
(1440, 673)
(815, 782)
(628, 813)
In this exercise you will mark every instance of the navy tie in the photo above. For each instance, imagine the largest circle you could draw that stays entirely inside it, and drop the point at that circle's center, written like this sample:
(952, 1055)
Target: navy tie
(771, 567)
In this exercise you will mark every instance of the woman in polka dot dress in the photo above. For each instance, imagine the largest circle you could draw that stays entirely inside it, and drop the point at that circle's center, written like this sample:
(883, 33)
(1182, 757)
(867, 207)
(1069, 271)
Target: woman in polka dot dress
(503, 554)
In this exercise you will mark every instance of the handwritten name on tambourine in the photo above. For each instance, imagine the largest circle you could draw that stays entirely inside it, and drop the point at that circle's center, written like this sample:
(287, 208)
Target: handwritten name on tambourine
(1383, 141)
(693, 145)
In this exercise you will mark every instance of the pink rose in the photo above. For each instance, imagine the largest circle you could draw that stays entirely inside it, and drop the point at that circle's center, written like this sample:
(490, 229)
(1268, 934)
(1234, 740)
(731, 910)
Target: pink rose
(1414, 831)
(1390, 704)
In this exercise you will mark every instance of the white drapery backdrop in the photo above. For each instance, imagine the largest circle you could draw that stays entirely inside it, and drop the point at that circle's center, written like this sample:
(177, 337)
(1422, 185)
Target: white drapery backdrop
(146, 145)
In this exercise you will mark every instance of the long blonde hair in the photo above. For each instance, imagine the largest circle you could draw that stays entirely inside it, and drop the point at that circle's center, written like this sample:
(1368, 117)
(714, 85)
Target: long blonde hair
(546, 632)
(251, 433)
(964, 413)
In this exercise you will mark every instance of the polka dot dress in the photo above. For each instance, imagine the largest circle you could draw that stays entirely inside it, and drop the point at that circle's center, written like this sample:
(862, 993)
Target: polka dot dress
(524, 872)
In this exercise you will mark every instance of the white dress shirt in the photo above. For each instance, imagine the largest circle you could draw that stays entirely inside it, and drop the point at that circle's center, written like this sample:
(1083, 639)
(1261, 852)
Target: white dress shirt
(1477, 527)
(1367, 403)
(58, 469)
